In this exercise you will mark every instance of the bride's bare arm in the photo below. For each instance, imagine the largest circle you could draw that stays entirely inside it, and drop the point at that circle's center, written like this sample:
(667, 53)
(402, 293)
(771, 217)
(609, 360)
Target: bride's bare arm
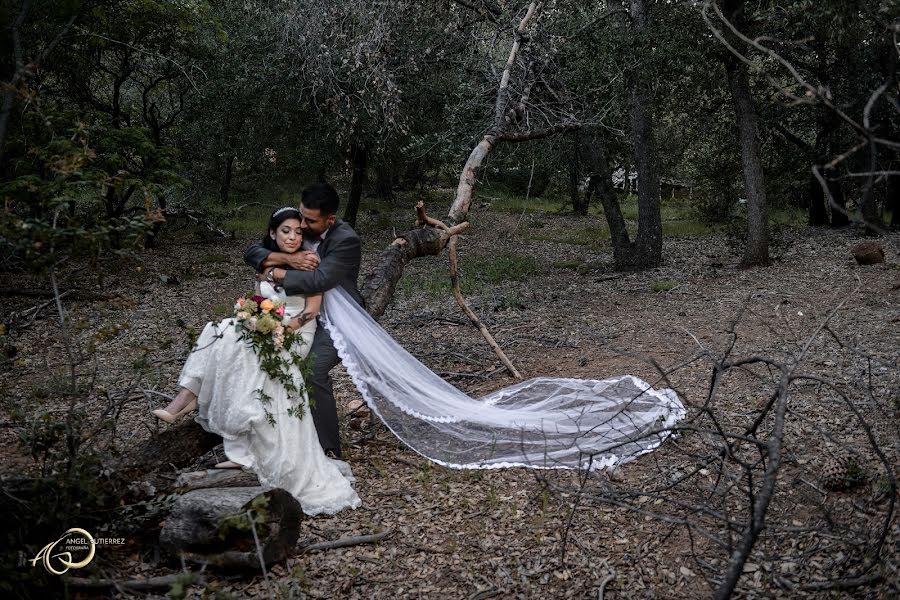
(311, 311)
(303, 260)
(313, 306)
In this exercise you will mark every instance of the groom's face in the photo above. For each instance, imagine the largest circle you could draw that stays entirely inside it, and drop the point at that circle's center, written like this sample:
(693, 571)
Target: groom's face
(313, 222)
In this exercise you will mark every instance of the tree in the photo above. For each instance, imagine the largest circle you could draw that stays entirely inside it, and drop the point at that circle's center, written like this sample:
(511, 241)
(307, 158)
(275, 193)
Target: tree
(757, 249)
(850, 92)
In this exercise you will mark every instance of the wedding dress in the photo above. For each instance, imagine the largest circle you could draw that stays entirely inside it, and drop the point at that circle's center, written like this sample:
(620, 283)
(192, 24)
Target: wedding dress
(224, 372)
(540, 423)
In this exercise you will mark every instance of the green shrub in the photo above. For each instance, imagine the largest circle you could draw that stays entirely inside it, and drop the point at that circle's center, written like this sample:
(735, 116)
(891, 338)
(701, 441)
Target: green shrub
(664, 285)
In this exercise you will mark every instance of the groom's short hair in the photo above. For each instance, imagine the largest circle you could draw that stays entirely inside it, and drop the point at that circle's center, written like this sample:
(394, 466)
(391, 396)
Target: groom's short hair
(322, 197)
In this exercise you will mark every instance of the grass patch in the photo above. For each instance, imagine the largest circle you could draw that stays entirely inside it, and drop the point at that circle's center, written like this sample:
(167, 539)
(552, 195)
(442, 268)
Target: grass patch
(789, 216)
(572, 265)
(664, 285)
(220, 310)
(476, 273)
(585, 235)
(213, 259)
(679, 218)
(505, 267)
(431, 285)
(251, 219)
(503, 200)
(687, 228)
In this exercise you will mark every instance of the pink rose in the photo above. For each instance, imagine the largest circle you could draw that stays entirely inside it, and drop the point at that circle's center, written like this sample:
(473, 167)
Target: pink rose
(279, 310)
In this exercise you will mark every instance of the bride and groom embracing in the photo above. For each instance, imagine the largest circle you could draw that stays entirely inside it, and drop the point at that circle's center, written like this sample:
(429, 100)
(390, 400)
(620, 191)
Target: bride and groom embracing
(309, 260)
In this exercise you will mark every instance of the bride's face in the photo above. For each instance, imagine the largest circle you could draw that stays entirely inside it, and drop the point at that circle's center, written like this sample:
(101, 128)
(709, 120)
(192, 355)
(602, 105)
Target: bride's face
(288, 236)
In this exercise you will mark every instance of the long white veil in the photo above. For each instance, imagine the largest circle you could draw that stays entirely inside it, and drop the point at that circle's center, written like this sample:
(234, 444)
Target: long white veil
(541, 423)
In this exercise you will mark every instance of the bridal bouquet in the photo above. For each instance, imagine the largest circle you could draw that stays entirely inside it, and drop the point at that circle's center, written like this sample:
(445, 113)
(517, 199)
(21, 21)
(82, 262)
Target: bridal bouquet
(260, 317)
(262, 324)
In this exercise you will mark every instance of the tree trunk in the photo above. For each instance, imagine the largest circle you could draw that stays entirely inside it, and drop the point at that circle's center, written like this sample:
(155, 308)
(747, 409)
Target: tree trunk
(819, 200)
(384, 182)
(601, 184)
(213, 526)
(225, 188)
(837, 201)
(757, 249)
(647, 248)
(579, 202)
(892, 200)
(358, 159)
(818, 213)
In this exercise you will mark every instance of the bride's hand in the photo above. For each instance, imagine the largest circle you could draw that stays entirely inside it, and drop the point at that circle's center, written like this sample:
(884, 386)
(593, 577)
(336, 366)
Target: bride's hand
(292, 325)
(306, 317)
(304, 260)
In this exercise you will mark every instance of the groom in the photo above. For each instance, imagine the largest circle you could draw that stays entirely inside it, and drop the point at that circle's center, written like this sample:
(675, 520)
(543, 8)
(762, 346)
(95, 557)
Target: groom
(330, 257)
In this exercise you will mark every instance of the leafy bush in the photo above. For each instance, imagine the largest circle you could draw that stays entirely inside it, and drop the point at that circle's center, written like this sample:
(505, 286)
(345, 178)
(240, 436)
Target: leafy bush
(78, 189)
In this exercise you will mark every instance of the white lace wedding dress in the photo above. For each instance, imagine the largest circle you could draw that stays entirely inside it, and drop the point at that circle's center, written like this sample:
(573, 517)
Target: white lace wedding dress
(224, 372)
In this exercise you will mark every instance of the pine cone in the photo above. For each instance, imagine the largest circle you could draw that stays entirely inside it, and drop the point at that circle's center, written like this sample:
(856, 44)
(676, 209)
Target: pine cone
(841, 472)
(834, 473)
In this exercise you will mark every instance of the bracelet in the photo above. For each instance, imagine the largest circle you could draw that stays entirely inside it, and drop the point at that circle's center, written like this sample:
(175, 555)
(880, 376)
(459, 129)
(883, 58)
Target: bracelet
(270, 275)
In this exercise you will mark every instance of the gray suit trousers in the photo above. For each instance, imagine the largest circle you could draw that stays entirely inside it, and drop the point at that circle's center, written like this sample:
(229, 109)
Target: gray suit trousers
(324, 409)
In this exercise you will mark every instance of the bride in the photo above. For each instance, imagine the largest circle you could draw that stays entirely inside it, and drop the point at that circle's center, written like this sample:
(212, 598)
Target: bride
(222, 379)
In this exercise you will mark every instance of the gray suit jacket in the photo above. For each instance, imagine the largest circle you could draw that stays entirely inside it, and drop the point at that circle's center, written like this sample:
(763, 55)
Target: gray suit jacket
(339, 253)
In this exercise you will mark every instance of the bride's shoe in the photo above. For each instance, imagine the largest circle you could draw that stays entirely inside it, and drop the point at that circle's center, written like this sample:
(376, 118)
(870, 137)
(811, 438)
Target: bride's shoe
(164, 415)
(229, 464)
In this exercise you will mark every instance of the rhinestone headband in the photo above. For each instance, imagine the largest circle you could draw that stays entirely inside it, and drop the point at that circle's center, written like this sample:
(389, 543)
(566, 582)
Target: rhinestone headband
(282, 209)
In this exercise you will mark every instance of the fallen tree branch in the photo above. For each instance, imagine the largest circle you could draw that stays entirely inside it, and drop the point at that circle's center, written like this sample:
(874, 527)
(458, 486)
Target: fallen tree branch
(843, 584)
(162, 582)
(41, 293)
(196, 217)
(457, 293)
(348, 541)
(423, 218)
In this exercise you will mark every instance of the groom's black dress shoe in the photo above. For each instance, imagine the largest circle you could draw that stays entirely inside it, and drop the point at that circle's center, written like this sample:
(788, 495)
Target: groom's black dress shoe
(332, 453)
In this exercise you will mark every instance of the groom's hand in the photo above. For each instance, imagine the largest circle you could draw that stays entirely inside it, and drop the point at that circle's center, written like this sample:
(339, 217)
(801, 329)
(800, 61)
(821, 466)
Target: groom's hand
(304, 260)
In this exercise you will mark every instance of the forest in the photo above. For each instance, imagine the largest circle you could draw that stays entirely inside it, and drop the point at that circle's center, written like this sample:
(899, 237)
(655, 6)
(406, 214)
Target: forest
(702, 193)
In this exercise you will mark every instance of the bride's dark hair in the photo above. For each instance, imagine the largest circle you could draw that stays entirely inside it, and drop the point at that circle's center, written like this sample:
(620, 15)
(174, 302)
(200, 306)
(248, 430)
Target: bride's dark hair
(278, 217)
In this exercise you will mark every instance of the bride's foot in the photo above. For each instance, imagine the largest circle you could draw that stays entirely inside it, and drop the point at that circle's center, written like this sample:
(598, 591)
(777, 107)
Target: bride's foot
(229, 464)
(165, 414)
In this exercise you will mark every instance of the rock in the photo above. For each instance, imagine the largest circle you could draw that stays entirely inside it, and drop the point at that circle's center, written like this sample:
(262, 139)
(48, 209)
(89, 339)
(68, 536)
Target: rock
(868, 253)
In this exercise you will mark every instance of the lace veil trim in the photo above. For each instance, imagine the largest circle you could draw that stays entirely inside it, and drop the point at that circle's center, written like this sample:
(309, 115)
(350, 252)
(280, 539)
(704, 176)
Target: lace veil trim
(541, 423)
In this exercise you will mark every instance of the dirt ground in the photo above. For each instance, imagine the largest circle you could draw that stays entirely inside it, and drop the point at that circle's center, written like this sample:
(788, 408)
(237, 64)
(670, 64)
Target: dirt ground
(523, 534)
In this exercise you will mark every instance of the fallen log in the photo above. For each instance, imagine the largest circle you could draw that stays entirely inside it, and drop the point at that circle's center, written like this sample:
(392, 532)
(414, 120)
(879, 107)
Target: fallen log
(178, 446)
(233, 527)
(151, 584)
(215, 478)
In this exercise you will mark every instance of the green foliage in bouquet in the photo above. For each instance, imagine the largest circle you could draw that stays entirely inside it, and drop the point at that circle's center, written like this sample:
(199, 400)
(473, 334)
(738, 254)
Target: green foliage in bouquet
(262, 324)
